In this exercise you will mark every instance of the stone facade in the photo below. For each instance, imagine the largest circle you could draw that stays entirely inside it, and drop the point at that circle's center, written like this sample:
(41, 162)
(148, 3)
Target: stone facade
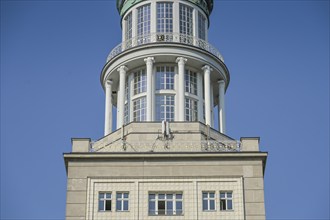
(188, 172)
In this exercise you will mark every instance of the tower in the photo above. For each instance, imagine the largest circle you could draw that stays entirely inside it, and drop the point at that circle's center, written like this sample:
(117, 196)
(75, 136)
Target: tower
(165, 159)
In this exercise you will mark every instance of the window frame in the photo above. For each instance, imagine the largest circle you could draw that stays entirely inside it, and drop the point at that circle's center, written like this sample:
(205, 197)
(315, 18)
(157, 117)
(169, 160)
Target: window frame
(209, 200)
(190, 80)
(139, 81)
(165, 78)
(186, 23)
(122, 201)
(165, 105)
(104, 199)
(164, 17)
(129, 26)
(143, 23)
(201, 26)
(191, 109)
(140, 114)
(224, 200)
(175, 201)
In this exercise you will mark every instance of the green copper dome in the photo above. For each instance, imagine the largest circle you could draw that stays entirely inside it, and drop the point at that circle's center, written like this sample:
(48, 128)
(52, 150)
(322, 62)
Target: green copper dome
(124, 5)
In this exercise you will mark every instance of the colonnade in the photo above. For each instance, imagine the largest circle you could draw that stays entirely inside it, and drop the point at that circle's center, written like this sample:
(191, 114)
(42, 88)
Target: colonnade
(181, 61)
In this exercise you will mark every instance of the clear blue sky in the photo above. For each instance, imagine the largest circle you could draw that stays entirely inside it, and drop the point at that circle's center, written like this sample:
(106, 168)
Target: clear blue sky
(52, 53)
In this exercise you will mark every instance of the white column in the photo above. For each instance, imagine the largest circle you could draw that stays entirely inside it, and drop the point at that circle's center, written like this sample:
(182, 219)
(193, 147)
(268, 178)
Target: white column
(176, 23)
(181, 87)
(121, 99)
(207, 93)
(195, 26)
(108, 107)
(153, 17)
(134, 27)
(123, 30)
(149, 63)
(221, 107)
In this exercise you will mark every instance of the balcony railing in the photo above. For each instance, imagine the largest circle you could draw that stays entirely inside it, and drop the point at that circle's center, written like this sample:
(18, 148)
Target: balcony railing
(164, 38)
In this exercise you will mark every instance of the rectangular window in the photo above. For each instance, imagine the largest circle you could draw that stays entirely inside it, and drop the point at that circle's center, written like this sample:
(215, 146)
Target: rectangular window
(208, 201)
(186, 24)
(164, 77)
(140, 82)
(143, 24)
(191, 110)
(139, 109)
(165, 204)
(105, 201)
(226, 201)
(186, 20)
(201, 26)
(191, 82)
(165, 107)
(122, 201)
(164, 17)
(128, 31)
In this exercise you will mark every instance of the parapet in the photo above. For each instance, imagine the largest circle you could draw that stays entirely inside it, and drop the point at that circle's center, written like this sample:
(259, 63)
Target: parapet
(81, 144)
(250, 143)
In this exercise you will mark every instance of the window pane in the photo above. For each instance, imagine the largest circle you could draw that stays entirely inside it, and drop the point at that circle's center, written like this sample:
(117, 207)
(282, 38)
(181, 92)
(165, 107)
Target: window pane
(152, 206)
(222, 205)
(101, 195)
(230, 204)
(101, 205)
(178, 208)
(169, 208)
(229, 195)
(108, 195)
(222, 195)
(178, 196)
(126, 205)
(204, 195)
(151, 196)
(169, 196)
(118, 205)
(212, 195)
(212, 205)
(161, 196)
(108, 205)
(161, 207)
(126, 195)
(205, 206)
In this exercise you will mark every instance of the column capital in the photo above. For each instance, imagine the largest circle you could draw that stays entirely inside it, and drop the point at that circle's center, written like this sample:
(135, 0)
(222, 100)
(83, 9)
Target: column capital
(108, 83)
(207, 68)
(221, 82)
(149, 60)
(181, 60)
(122, 68)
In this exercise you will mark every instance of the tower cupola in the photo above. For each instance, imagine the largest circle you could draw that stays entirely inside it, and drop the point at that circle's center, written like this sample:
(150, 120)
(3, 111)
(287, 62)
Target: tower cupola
(165, 69)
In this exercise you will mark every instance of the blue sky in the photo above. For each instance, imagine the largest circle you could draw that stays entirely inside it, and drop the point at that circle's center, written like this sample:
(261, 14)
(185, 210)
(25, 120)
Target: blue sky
(52, 53)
